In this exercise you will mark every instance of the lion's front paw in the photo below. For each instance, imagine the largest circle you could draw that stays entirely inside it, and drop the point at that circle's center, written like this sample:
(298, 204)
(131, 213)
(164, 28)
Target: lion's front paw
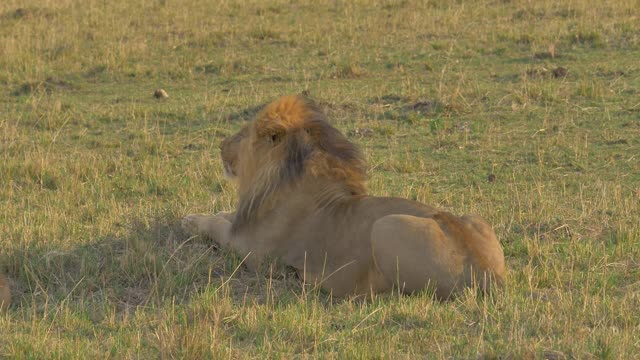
(192, 224)
(211, 227)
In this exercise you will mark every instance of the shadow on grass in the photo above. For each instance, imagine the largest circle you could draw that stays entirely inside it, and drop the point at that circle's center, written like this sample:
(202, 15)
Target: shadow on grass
(152, 263)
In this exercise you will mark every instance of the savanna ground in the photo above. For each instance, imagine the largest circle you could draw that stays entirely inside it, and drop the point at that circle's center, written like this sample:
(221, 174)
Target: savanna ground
(526, 112)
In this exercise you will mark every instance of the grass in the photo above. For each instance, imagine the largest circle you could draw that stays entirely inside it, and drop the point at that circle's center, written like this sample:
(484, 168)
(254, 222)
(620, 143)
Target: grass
(457, 104)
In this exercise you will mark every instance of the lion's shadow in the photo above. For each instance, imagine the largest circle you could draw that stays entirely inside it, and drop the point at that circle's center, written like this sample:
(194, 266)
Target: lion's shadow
(141, 264)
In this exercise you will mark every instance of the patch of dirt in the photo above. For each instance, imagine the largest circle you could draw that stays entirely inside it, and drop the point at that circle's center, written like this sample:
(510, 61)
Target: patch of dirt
(349, 71)
(406, 104)
(25, 13)
(617, 142)
(559, 72)
(49, 85)
(244, 114)
(542, 72)
(95, 71)
(390, 99)
(362, 132)
(423, 106)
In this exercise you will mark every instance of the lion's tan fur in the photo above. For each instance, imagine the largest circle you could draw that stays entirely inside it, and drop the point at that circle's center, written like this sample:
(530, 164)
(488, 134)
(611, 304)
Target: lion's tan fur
(5, 293)
(302, 199)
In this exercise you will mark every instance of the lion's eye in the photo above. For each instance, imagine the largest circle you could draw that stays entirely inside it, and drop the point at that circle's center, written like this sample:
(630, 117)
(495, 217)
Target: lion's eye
(275, 138)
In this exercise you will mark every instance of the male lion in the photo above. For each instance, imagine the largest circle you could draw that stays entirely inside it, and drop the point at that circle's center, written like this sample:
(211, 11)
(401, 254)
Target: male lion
(302, 200)
(5, 293)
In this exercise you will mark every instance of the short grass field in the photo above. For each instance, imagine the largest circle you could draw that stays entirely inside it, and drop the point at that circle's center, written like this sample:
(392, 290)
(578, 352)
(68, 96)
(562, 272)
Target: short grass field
(525, 112)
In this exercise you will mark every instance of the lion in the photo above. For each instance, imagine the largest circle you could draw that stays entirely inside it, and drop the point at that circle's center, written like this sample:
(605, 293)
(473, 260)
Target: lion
(5, 293)
(303, 201)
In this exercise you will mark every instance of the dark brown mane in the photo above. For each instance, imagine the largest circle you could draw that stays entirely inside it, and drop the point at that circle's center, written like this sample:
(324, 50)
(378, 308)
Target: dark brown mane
(338, 159)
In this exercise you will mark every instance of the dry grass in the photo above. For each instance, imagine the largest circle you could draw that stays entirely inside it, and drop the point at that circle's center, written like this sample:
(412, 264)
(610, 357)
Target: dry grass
(455, 104)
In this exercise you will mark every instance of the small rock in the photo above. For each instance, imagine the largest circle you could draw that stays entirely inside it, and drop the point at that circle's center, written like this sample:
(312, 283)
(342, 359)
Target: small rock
(160, 94)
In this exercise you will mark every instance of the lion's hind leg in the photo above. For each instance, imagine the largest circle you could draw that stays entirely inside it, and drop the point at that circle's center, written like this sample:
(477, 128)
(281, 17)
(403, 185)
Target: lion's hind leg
(413, 253)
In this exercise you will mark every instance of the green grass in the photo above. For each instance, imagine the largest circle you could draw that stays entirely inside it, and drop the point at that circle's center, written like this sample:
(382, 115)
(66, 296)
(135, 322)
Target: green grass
(454, 103)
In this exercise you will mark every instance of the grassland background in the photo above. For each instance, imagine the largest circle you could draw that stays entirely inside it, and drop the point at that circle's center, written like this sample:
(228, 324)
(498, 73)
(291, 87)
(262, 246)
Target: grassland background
(455, 103)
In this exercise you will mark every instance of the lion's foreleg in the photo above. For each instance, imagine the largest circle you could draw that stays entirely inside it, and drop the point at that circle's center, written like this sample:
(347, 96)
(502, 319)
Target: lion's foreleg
(218, 228)
(214, 227)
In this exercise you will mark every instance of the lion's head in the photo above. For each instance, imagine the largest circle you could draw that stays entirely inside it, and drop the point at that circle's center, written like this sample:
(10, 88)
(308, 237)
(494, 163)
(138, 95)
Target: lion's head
(289, 142)
(229, 152)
